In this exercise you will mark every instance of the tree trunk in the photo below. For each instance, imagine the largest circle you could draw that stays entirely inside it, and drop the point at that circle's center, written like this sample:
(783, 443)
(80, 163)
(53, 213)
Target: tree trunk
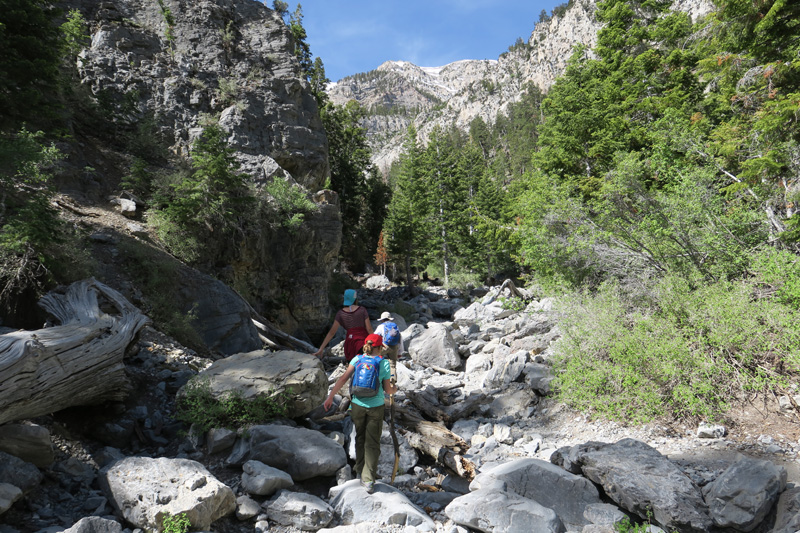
(79, 362)
(436, 441)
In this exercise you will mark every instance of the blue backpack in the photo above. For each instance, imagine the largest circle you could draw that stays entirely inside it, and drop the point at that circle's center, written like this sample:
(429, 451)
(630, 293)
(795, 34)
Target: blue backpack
(366, 376)
(391, 334)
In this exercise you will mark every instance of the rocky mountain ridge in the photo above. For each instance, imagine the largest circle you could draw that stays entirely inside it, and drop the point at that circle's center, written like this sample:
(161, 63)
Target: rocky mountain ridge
(179, 66)
(399, 93)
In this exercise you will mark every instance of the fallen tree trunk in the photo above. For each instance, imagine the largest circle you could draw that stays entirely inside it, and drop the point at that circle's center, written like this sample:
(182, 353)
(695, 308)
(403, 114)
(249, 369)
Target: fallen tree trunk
(436, 441)
(79, 362)
(427, 402)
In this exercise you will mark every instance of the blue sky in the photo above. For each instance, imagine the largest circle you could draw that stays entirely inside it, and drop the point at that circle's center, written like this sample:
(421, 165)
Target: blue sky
(358, 35)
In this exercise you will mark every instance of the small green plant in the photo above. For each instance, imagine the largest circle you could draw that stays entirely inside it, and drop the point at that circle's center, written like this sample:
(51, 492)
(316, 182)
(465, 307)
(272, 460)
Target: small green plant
(169, 18)
(625, 526)
(227, 91)
(513, 303)
(178, 523)
(74, 34)
(289, 204)
(199, 407)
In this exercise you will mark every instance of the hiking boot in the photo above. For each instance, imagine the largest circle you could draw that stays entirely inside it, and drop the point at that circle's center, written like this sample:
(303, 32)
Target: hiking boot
(368, 485)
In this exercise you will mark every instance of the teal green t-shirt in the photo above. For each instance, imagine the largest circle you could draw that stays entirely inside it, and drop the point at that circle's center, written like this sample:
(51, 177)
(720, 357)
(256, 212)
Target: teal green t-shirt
(384, 372)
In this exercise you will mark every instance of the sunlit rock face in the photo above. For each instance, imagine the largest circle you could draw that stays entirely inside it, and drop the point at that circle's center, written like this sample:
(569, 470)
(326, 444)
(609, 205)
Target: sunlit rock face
(184, 64)
(399, 93)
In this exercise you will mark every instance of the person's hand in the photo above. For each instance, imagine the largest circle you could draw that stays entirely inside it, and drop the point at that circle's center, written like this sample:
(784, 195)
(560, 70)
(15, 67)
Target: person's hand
(319, 353)
(328, 403)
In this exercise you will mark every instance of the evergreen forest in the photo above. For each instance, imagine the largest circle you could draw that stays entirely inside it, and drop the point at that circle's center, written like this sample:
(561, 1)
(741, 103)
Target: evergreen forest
(652, 191)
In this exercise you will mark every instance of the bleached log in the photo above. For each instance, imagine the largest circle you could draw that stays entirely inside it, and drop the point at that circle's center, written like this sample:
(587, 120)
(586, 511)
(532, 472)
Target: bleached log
(435, 441)
(78, 362)
(428, 403)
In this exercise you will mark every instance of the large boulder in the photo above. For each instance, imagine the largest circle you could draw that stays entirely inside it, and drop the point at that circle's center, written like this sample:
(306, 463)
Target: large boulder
(263, 373)
(29, 442)
(386, 505)
(742, 496)
(302, 453)
(145, 490)
(22, 474)
(264, 480)
(219, 315)
(641, 480)
(545, 483)
(435, 347)
(495, 510)
(300, 510)
(787, 515)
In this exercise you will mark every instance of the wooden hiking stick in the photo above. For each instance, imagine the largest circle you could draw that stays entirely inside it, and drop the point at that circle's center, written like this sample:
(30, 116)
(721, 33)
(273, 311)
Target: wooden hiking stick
(394, 437)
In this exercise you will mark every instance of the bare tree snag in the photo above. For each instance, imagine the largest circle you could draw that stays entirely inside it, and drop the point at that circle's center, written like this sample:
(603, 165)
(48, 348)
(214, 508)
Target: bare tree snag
(79, 362)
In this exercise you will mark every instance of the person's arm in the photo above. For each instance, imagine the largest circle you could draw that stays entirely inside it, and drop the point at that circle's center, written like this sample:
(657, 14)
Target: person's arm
(389, 387)
(338, 386)
(328, 338)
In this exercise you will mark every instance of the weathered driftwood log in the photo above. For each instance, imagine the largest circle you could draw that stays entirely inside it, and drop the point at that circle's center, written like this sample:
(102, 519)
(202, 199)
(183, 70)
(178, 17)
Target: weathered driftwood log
(79, 362)
(435, 441)
(428, 403)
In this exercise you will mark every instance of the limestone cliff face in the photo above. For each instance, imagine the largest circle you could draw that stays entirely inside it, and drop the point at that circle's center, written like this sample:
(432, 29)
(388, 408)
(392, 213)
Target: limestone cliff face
(183, 62)
(399, 93)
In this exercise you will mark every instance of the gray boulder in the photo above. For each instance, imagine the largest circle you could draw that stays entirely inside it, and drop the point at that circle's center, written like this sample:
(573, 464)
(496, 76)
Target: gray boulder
(220, 316)
(300, 510)
(787, 516)
(262, 373)
(516, 400)
(506, 368)
(24, 475)
(641, 480)
(495, 510)
(538, 377)
(300, 452)
(435, 347)
(144, 490)
(386, 505)
(247, 507)
(742, 496)
(29, 442)
(545, 483)
(264, 480)
(95, 524)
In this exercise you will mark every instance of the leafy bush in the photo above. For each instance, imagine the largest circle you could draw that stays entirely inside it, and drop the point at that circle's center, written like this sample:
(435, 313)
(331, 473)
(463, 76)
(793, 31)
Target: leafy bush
(198, 407)
(688, 356)
(212, 198)
(28, 223)
(289, 204)
(178, 523)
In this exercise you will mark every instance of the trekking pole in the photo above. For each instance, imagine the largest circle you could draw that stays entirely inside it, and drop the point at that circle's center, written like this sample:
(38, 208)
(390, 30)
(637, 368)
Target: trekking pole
(394, 438)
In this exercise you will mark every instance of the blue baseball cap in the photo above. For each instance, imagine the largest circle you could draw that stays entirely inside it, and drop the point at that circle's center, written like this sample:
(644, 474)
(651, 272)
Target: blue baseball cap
(349, 296)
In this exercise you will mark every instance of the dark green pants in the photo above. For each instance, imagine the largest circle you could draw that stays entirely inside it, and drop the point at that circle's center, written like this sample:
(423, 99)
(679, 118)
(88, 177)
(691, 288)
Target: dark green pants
(369, 426)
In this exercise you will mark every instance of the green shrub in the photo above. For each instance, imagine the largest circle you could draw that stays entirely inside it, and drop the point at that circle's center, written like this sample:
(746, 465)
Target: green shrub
(289, 204)
(178, 523)
(688, 356)
(198, 407)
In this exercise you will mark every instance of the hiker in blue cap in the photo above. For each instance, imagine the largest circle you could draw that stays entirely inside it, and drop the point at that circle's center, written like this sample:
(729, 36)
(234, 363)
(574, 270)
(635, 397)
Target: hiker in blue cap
(357, 326)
